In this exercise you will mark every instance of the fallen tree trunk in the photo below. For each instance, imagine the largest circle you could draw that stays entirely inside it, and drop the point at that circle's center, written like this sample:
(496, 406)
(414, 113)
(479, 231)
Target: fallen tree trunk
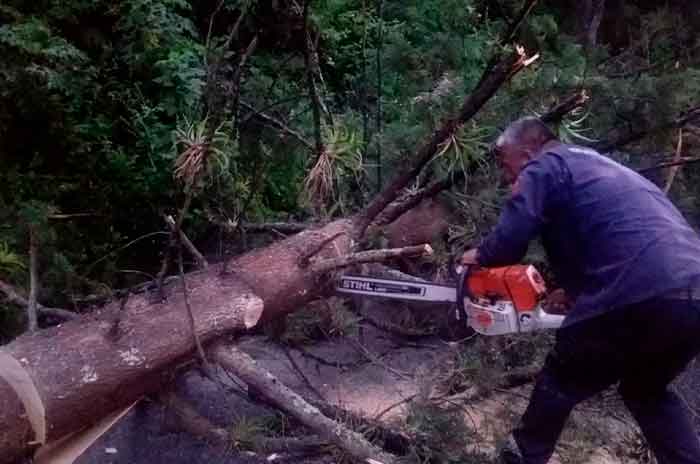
(245, 367)
(66, 378)
(69, 377)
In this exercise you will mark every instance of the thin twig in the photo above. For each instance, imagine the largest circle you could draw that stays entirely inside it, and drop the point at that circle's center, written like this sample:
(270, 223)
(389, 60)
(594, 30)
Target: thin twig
(33, 279)
(375, 359)
(252, 46)
(186, 297)
(384, 411)
(196, 254)
(121, 248)
(669, 164)
(304, 259)
(509, 34)
(173, 243)
(378, 136)
(211, 27)
(277, 124)
(674, 169)
(325, 362)
(61, 217)
(301, 374)
(317, 103)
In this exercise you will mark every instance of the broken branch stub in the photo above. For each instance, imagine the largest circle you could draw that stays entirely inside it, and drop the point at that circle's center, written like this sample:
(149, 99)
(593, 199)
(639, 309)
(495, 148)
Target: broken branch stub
(370, 256)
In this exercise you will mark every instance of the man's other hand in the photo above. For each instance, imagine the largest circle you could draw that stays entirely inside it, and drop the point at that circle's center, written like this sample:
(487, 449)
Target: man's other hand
(470, 257)
(557, 302)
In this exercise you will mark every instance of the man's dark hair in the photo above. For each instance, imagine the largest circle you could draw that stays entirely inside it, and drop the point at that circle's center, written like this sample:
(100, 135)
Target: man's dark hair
(529, 131)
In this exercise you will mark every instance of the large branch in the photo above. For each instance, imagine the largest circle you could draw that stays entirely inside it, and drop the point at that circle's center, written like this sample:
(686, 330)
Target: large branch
(412, 199)
(266, 384)
(490, 83)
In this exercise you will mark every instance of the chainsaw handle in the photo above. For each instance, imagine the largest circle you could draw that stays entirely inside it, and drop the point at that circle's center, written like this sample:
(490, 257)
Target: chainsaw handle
(547, 320)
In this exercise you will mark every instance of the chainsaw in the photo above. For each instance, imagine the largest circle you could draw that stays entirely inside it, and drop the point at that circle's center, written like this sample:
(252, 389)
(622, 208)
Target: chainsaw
(490, 301)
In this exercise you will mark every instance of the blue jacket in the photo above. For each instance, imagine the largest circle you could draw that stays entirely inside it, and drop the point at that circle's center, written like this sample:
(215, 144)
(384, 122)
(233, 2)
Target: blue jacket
(611, 236)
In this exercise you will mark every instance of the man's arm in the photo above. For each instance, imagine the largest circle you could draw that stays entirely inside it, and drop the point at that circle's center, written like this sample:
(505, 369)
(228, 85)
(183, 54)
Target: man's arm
(540, 186)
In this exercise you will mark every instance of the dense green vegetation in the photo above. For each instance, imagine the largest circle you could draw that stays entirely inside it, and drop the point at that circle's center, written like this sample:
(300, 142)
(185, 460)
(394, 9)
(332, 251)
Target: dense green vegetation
(104, 104)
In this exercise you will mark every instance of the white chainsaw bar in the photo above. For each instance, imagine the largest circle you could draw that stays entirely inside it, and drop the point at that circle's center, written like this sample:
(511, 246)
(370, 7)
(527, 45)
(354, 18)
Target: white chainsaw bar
(484, 316)
(403, 290)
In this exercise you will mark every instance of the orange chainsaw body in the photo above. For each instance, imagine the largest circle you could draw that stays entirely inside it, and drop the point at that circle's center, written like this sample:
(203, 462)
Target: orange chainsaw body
(521, 284)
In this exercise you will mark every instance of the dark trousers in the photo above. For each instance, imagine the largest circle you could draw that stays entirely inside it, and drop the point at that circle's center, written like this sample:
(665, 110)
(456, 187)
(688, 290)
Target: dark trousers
(643, 347)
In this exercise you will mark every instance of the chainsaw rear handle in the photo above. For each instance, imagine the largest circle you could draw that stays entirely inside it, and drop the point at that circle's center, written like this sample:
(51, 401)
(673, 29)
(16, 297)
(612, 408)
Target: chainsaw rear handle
(546, 320)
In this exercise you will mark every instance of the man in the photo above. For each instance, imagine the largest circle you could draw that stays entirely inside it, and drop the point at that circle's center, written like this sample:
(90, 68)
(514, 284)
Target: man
(629, 262)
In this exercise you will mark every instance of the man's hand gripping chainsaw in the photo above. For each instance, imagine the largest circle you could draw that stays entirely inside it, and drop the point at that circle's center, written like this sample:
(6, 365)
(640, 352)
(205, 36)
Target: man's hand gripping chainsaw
(493, 301)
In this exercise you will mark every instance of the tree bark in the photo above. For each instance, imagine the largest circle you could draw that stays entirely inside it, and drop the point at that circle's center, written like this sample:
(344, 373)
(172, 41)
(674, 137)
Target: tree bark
(85, 369)
(276, 392)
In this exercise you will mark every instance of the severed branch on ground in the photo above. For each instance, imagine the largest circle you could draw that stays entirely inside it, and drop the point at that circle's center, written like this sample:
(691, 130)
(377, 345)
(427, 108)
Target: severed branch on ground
(267, 385)
(190, 420)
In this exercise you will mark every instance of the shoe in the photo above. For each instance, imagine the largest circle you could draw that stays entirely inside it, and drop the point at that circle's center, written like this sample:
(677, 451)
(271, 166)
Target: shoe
(510, 452)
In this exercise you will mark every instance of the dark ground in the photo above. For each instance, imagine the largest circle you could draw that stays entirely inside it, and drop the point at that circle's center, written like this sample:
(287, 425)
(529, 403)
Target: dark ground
(147, 434)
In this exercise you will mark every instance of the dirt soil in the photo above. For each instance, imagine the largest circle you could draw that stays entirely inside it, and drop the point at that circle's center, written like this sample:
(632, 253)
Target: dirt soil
(387, 372)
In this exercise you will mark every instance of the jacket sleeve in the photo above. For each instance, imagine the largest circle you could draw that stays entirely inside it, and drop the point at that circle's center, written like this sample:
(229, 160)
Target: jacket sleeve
(540, 187)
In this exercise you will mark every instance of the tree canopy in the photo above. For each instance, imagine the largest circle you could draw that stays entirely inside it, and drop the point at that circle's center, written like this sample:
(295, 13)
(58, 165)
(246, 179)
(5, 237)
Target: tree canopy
(114, 113)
